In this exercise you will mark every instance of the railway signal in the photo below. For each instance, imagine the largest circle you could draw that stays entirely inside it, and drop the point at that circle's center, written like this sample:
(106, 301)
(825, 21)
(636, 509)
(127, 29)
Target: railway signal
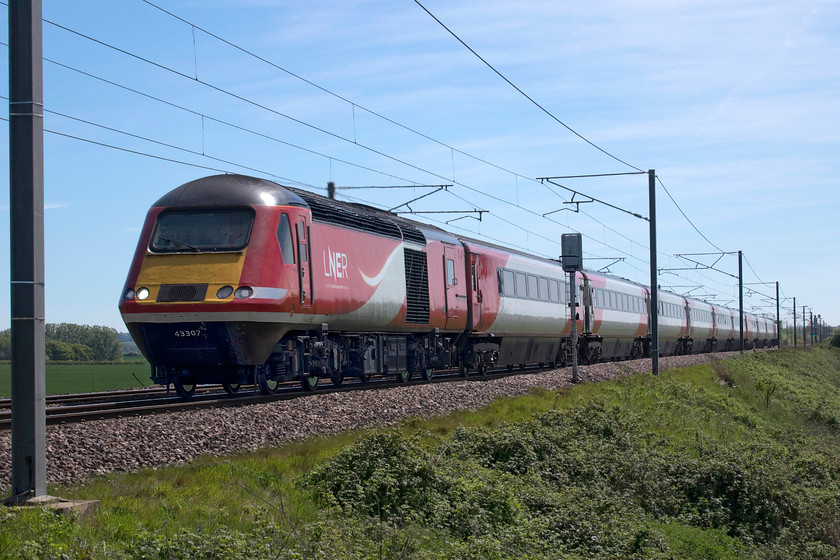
(572, 257)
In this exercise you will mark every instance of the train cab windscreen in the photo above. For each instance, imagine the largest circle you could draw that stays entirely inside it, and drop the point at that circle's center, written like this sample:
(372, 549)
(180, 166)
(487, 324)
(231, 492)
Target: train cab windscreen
(202, 231)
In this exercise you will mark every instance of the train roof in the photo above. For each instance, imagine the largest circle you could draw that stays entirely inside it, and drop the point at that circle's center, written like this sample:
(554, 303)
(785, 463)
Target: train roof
(242, 190)
(230, 190)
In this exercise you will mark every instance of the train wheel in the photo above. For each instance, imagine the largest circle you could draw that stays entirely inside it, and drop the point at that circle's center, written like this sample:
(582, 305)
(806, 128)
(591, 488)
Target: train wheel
(403, 376)
(268, 384)
(337, 378)
(481, 369)
(427, 373)
(308, 382)
(230, 388)
(463, 371)
(184, 388)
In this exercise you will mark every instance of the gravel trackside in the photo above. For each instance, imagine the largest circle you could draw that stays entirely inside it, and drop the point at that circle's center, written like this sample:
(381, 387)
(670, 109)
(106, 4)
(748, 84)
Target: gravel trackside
(80, 451)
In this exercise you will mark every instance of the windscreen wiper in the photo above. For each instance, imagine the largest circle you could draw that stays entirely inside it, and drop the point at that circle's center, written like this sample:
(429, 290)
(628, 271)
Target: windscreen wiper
(181, 243)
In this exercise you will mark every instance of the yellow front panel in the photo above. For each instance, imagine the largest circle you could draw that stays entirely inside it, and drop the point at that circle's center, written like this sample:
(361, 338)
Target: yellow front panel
(214, 269)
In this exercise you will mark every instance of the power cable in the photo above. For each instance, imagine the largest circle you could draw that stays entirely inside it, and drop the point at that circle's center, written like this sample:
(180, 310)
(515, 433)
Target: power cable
(330, 92)
(223, 122)
(326, 132)
(354, 104)
(334, 135)
(553, 117)
(127, 150)
(685, 216)
(525, 95)
(233, 45)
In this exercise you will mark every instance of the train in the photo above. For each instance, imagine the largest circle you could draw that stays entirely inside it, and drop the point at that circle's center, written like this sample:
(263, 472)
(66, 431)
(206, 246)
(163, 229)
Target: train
(239, 280)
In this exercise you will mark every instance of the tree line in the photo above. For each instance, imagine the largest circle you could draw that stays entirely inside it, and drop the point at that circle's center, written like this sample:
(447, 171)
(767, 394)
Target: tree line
(74, 343)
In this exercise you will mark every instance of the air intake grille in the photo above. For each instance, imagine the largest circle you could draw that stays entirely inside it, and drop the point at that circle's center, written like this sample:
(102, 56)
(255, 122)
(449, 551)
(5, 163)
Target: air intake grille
(411, 233)
(360, 217)
(181, 292)
(347, 215)
(416, 287)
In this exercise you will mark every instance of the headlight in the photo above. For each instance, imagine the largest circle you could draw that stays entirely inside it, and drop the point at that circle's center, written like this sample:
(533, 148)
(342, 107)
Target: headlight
(243, 292)
(128, 295)
(224, 292)
(142, 293)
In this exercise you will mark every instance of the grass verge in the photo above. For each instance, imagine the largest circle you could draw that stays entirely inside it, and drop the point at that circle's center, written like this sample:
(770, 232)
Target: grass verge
(735, 459)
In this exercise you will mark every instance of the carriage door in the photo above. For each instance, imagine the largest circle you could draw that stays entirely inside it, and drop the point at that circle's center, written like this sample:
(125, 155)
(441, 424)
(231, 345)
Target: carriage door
(476, 295)
(304, 274)
(689, 323)
(588, 314)
(456, 292)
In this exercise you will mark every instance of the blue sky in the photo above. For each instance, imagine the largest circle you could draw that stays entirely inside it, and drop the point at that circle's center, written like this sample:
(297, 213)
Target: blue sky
(733, 103)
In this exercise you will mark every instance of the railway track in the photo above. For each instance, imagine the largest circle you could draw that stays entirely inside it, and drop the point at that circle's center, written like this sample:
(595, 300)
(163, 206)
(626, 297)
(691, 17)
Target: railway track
(76, 408)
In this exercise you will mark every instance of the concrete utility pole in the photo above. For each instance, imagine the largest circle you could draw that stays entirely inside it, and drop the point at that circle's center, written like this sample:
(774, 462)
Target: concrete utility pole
(26, 182)
(804, 332)
(794, 321)
(654, 278)
(778, 320)
(741, 297)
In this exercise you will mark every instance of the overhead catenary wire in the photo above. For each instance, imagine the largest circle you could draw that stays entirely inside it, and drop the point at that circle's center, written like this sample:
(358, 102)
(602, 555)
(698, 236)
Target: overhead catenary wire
(250, 53)
(528, 97)
(556, 119)
(354, 104)
(233, 45)
(319, 129)
(376, 151)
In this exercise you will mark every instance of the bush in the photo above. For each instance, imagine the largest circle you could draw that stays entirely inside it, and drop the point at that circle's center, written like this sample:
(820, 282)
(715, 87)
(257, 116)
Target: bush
(386, 475)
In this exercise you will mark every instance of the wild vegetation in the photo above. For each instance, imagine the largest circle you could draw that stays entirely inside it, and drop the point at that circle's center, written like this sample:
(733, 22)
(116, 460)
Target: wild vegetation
(735, 459)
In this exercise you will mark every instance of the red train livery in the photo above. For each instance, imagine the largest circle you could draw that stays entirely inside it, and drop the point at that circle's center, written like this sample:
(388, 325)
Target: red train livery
(239, 280)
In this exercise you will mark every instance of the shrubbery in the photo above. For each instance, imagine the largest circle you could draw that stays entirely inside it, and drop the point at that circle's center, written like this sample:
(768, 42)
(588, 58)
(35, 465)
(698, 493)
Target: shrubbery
(698, 464)
(590, 483)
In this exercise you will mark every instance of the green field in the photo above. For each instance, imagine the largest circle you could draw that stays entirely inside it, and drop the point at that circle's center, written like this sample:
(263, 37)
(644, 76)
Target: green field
(85, 378)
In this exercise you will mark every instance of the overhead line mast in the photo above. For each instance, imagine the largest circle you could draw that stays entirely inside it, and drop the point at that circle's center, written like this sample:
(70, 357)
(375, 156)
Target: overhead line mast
(26, 190)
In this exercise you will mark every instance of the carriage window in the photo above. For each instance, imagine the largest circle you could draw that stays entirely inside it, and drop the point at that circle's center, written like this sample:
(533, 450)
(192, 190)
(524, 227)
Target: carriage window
(508, 283)
(450, 272)
(554, 291)
(202, 231)
(532, 287)
(284, 237)
(612, 300)
(543, 289)
(521, 285)
(301, 235)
